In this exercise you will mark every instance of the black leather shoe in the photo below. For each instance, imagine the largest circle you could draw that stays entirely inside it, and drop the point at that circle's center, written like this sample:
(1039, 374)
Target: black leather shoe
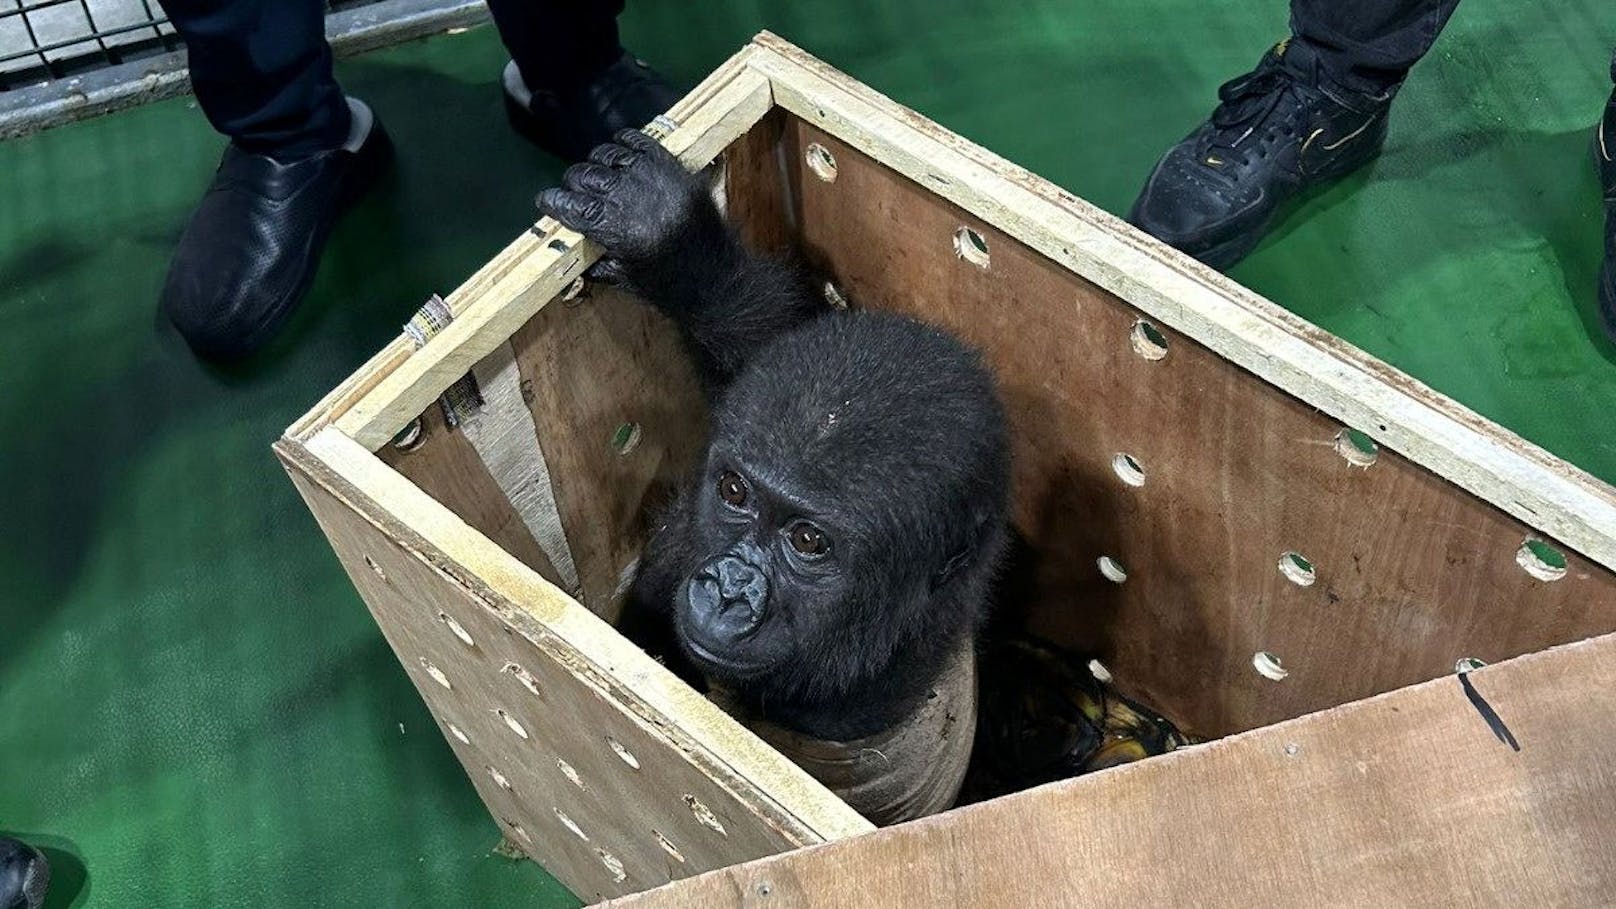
(251, 249)
(24, 875)
(626, 95)
(1605, 158)
(1274, 133)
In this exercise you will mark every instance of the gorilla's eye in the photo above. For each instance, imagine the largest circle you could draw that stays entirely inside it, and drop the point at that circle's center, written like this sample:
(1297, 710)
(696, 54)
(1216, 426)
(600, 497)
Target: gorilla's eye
(808, 539)
(732, 489)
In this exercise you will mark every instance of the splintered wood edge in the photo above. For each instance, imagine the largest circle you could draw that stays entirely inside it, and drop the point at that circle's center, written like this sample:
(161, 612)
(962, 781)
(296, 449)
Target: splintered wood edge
(803, 810)
(1249, 330)
(399, 383)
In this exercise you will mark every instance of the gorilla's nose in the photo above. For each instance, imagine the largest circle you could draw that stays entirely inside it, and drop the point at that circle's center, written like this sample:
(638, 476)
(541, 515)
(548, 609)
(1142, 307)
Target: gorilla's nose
(728, 597)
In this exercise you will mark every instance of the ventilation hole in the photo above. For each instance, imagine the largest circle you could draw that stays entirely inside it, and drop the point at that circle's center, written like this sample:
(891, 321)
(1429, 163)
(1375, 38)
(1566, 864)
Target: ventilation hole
(525, 677)
(626, 438)
(1128, 469)
(409, 438)
(371, 563)
(614, 866)
(1267, 665)
(499, 779)
(1297, 568)
(1357, 448)
(1098, 670)
(627, 756)
(1112, 569)
(517, 829)
(458, 629)
(511, 722)
(1541, 560)
(821, 162)
(1467, 664)
(970, 246)
(455, 731)
(704, 815)
(571, 774)
(667, 846)
(1148, 341)
(568, 823)
(577, 291)
(834, 296)
(436, 674)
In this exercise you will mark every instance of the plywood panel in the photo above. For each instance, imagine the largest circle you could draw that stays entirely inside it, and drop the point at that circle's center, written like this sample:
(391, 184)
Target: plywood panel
(1406, 800)
(610, 800)
(620, 418)
(1410, 573)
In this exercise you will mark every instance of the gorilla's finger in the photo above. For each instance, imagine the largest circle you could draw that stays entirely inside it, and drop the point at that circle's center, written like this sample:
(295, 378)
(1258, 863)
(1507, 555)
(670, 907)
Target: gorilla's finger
(612, 155)
(639, 141)
(590, 178)
(579, 211)
(608, 270)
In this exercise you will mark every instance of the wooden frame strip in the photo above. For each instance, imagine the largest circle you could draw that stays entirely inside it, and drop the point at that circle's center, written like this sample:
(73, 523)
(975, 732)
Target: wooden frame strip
(805, 811)
(527, 275)
(1243, 327)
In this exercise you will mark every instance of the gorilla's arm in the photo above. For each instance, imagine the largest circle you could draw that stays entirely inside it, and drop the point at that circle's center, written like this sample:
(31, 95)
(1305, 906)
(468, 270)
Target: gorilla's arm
(666, 241)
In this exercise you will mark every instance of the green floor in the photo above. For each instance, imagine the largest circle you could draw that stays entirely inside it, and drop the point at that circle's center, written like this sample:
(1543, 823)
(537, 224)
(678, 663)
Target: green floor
(195, 709)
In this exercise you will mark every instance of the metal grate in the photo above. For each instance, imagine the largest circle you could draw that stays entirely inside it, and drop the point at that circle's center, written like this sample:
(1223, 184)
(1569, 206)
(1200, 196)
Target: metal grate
(42, 40)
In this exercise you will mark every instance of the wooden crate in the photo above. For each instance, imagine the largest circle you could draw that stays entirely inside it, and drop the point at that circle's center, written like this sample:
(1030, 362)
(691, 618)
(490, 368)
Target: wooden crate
(1163, 417)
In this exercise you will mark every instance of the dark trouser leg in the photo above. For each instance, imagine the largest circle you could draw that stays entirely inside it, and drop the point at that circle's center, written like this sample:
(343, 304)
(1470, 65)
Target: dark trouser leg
(1365, 45)
(559, 44)
(261, 70)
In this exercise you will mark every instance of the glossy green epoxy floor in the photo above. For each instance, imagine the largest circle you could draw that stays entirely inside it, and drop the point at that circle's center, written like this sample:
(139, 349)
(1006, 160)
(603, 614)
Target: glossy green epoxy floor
(194, 703)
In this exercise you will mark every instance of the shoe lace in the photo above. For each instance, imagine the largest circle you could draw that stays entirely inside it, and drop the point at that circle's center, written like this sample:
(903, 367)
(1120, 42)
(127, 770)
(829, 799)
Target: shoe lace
(1254, 112)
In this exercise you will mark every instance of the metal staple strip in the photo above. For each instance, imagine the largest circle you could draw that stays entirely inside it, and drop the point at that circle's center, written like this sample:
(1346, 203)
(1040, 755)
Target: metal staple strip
(462, 399)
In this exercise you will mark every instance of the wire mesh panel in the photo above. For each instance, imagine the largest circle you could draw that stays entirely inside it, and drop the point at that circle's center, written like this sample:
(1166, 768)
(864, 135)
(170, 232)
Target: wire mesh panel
(42, 40)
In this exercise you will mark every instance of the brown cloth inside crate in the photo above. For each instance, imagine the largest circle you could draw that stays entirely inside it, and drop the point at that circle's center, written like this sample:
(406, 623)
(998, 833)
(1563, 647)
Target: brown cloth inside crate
(907, 771)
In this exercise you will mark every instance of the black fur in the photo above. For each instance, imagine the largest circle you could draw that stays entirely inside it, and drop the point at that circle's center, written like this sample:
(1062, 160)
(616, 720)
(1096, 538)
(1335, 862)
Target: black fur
(885, 434)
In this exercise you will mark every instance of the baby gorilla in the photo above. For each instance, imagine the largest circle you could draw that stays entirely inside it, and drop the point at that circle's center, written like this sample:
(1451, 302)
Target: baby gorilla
(827, 567)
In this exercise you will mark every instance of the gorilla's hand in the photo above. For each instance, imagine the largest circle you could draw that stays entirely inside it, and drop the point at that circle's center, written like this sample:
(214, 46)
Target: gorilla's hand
(636, 200)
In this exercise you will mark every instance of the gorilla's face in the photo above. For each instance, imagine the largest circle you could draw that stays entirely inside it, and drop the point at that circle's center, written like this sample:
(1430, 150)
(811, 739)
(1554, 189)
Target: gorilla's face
(773, 581)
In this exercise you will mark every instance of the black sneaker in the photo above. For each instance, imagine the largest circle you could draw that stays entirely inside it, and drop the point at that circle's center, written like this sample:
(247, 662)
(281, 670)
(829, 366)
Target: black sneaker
(1274, 133)
(1605, 158)
(251, 249)
(626, 95)
(24, 875)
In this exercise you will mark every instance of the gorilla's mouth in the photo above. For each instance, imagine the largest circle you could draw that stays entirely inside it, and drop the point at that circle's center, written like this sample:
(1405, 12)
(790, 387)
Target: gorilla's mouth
(713, 662)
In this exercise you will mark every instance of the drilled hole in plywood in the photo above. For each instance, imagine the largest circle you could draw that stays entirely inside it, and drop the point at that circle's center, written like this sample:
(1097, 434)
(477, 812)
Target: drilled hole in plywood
(971, 246)
(1128, 469)
(576, 292)
(457, 733)
(371, 564)
(821, 162)
(571, 773)
(705, 815)
(457, 629)
(1098, 670)
(613, 865)
(668, 846)
(511, 722)
(1467, 664)
(436, 674)
(624, 754)
(1268, 666)
(1297, 569)
(834, 296)
(1112, 570)
(626, 437)
(523, 676)
(1356, 447)
(1148, 341)
(498, 778)
(1541, 561)
(568, 823)
(410, 437)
